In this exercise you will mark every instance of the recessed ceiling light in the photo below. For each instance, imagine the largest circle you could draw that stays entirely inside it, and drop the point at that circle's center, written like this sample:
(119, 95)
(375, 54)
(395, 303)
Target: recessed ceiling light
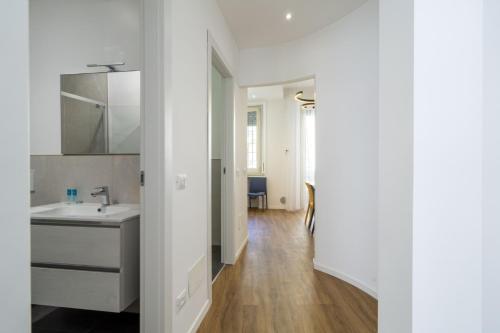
(288, 16)
(253, 96)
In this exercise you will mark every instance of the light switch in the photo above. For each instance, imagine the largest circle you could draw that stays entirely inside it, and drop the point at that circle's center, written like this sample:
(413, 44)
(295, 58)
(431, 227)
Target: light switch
(181, 182)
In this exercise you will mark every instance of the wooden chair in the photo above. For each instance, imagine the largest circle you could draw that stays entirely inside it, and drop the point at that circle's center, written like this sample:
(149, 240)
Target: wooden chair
(309, 220)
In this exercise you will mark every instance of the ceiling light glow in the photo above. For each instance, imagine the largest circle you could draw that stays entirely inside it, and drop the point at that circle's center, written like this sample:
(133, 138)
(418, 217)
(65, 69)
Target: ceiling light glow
(288, 16)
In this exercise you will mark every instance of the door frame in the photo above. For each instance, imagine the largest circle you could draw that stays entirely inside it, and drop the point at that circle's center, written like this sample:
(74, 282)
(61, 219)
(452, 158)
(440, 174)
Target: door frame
(156, 160)
(215, 58)
(223, 170)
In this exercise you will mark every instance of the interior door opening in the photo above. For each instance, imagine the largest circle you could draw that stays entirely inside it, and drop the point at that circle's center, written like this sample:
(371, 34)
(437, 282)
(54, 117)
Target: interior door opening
(218, 162)
(87, 147)
(281, 145)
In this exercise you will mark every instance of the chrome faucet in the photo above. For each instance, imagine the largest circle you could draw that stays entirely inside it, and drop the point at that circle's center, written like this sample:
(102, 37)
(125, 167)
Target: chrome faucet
(103, 192)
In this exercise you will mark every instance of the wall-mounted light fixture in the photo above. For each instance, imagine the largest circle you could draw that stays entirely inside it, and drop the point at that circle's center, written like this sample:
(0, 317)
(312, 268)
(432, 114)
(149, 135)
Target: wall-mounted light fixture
(111, 67)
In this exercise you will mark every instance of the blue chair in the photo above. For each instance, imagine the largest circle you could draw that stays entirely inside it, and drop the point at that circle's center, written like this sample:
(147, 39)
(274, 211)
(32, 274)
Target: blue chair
(257, 187)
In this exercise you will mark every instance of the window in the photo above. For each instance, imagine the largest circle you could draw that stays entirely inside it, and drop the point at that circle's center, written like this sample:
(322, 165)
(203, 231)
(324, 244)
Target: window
(254, 140)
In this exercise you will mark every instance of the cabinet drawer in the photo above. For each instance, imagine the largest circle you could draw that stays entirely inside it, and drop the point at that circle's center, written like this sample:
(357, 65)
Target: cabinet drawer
(75, 245)
(76, 289)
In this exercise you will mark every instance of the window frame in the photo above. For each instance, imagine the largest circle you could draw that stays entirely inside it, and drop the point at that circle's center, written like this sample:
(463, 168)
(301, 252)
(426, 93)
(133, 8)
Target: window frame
(259, 108)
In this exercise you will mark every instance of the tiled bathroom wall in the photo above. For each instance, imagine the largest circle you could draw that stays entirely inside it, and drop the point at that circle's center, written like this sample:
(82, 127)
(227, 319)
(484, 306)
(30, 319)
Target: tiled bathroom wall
(54, 174)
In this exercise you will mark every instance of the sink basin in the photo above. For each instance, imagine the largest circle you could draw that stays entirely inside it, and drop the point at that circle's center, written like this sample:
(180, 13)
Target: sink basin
(84, 212)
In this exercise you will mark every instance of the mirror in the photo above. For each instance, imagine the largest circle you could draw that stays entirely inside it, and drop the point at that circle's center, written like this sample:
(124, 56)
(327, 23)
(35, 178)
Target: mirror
(100, 113)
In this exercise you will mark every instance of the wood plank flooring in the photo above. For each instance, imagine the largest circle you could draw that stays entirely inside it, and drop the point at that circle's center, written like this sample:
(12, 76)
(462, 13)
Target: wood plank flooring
(274, 288)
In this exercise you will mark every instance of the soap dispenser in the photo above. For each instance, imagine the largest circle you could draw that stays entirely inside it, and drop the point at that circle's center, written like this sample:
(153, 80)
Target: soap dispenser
(69, 195)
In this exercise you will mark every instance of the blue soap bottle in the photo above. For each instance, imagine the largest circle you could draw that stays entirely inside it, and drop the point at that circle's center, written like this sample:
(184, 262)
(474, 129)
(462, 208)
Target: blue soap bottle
(69, 195)
(74, 195)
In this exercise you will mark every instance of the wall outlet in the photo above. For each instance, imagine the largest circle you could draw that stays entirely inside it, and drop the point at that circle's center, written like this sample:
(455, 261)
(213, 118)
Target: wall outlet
(181, 300)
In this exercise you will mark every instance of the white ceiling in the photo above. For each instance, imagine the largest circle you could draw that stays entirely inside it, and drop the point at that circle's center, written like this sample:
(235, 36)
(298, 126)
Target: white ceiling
(259, 23)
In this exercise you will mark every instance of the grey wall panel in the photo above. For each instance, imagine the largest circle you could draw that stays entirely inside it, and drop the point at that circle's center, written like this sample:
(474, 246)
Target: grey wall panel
(53, 174)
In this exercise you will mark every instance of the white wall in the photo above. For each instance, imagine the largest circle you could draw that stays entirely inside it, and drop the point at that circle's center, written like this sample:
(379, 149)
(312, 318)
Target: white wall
(430, 166)
(447, 166)
(190, 22)
(395, 167)
(491, 160)
(15, 313)
(491, 167)
(344, 59)
(65, 36)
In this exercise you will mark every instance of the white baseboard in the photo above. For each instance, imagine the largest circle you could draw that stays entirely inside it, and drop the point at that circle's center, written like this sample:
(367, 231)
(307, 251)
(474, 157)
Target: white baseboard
(237, 256)
(197, 322)
(344, 277)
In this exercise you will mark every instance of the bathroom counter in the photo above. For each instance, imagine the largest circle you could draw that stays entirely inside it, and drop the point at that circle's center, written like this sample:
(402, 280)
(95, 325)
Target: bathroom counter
(84, 213)
(85, 259)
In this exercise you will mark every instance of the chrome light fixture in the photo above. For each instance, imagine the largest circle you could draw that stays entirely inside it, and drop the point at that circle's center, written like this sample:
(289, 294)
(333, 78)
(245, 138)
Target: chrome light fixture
(111, 67)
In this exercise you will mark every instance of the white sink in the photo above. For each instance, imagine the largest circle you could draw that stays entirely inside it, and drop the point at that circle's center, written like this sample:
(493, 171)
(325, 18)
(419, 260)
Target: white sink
(85, 212)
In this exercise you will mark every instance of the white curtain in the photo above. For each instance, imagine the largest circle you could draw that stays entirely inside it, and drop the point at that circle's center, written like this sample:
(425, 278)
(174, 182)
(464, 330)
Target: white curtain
(308, 151)
(309, 154)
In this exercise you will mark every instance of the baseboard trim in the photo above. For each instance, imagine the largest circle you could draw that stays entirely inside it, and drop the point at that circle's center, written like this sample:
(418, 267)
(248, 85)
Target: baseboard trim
(237, 256)
(197, 322)
(344, 277)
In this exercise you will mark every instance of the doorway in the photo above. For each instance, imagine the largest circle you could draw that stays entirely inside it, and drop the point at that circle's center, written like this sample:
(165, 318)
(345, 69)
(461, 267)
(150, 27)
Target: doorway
(218, 162)
(88, 143)
(281, 144)
(220, 170)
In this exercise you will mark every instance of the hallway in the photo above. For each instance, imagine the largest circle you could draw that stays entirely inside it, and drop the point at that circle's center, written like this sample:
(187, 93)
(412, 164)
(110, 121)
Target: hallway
(273, 287)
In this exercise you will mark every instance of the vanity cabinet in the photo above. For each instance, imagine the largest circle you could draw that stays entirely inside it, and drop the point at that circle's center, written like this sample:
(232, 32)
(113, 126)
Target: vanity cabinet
(93, 266)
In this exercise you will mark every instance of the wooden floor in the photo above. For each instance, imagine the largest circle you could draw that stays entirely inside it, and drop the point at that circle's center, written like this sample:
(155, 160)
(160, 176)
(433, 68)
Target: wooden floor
(274, 288)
